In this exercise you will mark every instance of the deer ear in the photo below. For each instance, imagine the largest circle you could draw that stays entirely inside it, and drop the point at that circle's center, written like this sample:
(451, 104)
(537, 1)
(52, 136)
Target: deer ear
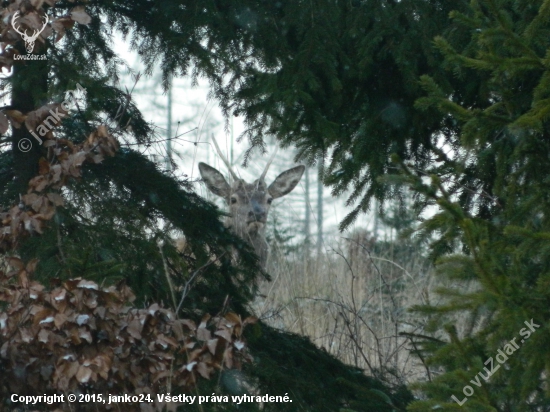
(214, 180)
(286, 182)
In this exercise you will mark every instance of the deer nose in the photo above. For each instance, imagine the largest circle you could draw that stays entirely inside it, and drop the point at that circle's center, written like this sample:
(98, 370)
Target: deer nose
(258, 215)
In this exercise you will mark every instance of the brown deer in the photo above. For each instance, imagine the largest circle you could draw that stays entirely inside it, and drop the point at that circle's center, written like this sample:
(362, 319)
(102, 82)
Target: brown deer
(249, 203)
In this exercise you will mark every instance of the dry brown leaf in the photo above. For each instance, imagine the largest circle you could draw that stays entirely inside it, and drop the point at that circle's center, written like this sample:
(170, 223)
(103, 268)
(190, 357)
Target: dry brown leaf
(74, 336)
(87, 284)
(26, 335)
(35, 288)
(166, 341)
(204, 321)
(36, 225)
(188, 323)
(45, 316)
(15, 263)
(60, 25)
(60, 320)
(134, 329)
(39, 204)
(38, 183)
(224, 333)
(79, 15)
(203, 334)
(204, 370)
(83, 374)
(83, 333)
(43, 336)
(161, 375)
(46, 118)
(43, 166)
(178, 331)
(228, 357)
(37, 3)
(15, 117)
(56, 199)
(58, 294)
(212, 344)
(233, 318)
(250, 320)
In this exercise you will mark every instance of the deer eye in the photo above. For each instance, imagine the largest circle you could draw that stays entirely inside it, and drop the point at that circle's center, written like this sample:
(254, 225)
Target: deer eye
(233, 200)
(269, 200)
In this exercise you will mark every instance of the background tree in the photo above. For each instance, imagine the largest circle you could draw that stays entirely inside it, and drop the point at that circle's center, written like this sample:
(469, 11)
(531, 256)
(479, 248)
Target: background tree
(491, 187)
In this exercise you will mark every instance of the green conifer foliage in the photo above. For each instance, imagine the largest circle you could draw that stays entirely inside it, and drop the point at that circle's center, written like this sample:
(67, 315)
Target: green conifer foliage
(491, 186)
(337, 77)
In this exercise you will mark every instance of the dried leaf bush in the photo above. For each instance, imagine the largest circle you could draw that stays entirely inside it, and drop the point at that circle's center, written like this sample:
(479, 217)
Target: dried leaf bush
(81, 338)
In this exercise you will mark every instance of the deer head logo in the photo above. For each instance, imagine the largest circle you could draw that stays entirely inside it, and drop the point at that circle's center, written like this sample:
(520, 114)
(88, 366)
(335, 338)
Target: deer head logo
(249, 203)
(29, 40)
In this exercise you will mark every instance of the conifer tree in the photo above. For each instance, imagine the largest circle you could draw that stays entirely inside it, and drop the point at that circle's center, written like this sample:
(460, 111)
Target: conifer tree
(490, 183)
(108, 228)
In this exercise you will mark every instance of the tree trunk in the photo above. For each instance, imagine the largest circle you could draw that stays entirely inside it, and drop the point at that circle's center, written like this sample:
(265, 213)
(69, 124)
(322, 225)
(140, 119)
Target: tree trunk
(169, 130)
(29, 91)
(307, 221)
(320, 210)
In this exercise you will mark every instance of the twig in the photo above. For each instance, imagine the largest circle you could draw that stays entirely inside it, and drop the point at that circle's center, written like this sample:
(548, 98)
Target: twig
(191, 278)
(167, 274)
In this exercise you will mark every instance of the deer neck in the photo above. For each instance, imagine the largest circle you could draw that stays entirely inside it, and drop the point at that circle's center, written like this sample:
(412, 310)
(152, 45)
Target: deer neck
(254, 235)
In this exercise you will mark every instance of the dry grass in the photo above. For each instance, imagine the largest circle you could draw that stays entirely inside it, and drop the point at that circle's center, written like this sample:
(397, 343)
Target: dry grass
(351, 300)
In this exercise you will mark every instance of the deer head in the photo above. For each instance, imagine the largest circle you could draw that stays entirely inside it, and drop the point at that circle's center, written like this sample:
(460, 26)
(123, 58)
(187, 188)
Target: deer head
(249, 203)
(29, 40)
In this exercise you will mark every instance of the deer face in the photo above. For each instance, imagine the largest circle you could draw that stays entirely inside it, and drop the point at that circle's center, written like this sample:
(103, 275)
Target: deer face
(249, 204)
